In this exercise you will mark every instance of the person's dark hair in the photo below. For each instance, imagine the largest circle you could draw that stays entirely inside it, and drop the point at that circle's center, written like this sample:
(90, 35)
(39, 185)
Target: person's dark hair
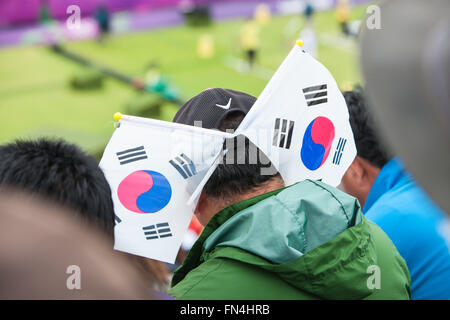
(368, 144)
(60, 172)
(235, 178)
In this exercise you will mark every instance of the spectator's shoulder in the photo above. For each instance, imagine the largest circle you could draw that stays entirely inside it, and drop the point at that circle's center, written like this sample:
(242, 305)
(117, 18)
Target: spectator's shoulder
(403, 217)
(198, 283)
(222, 278)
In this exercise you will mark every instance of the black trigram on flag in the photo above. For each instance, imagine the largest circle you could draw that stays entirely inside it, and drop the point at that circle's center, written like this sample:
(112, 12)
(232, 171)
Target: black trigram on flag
(282, 135)
(315, 94)
(155, 231)
(184, 166)
(339, 150)
(131, 155)
(118, 220)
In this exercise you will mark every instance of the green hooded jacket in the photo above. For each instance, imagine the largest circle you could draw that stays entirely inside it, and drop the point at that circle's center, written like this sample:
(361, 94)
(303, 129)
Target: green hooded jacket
(306, 241)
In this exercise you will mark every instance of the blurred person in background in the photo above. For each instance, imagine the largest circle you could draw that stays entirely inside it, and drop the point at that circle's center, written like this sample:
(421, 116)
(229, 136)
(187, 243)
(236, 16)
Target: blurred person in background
(308, 12)
(249, 40)
(304, 31)
(391, 198)
(265, 241)
(63, 173)
(103, 18)
(343, 15)
(46, 253)
(44, 13)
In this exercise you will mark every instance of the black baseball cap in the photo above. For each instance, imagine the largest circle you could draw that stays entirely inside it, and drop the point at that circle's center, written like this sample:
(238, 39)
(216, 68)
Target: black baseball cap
(212, 106)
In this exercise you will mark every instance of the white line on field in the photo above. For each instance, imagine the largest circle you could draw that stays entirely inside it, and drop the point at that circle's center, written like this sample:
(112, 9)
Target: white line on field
(241, 66)
(338, 41)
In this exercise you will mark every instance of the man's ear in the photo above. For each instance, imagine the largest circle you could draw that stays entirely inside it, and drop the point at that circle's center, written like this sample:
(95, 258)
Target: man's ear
(359, 178)
(357, 171)
(201, 203)
(370, 171)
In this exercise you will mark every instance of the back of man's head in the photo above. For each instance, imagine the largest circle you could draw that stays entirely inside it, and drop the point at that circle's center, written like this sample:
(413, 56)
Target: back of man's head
(242, 168)
(372, 154)
(368, 144)
(62, 173)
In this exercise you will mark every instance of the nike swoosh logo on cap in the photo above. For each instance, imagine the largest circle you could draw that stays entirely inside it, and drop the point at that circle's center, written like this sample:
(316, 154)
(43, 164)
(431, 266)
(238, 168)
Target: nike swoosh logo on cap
(227, 106)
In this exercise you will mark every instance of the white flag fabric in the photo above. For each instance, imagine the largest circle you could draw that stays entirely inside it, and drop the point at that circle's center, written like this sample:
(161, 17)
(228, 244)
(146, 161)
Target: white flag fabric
(154, 169)
(300, 121)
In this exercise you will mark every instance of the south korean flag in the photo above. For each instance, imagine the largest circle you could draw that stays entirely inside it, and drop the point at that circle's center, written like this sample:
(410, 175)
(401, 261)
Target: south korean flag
(301, 122)
(155, 170)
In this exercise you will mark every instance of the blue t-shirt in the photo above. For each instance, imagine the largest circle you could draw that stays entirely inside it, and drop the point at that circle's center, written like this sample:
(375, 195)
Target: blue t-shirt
(416, 226)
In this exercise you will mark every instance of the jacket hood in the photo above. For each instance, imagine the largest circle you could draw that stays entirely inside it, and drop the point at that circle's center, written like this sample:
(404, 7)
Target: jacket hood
(311, 235)
(285, 226)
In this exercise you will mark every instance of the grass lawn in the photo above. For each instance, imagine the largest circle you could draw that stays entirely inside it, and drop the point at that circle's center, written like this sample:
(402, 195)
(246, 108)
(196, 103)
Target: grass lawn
(36, 99)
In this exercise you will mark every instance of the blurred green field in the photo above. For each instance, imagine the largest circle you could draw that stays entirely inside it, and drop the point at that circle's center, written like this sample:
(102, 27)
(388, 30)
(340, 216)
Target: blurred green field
(36, 99)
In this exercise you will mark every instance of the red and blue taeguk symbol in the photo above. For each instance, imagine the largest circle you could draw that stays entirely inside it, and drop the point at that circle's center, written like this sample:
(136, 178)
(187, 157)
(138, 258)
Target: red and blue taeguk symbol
(144, 191)
(317, 142)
